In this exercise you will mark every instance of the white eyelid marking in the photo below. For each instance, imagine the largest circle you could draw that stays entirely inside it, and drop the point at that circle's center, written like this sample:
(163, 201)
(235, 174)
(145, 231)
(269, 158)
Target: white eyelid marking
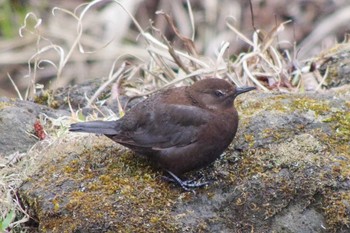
(219, 93)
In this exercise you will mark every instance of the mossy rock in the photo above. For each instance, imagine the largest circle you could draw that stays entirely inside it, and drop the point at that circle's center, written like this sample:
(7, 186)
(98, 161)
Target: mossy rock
(286, 171)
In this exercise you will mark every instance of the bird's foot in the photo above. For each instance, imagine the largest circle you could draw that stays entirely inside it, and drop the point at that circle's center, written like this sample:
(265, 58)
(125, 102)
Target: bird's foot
(187, 185)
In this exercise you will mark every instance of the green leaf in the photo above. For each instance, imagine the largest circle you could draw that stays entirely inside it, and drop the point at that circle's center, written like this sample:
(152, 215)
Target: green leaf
(5, 223)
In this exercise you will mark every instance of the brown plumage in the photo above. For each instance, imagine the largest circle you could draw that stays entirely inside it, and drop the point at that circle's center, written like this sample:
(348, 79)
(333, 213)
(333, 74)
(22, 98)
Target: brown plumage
(181, 129)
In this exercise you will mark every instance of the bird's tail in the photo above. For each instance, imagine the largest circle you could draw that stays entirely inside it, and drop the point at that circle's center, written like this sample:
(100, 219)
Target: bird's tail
(98, 127)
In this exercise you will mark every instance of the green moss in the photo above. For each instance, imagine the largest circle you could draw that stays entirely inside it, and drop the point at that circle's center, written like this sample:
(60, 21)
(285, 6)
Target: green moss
(250, 165)
(4, 105)
(46, 98)
(273, 103)
(72, 167)
(142, 200)
(250, 139)
(306, 103)
(271, 133)
(336, 208)
(328, 147)
(341, 126)
(347, 104)
(339, 142)
(248, 109)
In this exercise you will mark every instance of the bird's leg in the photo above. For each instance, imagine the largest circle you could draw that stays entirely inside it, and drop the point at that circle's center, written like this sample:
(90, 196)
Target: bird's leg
(187, 185)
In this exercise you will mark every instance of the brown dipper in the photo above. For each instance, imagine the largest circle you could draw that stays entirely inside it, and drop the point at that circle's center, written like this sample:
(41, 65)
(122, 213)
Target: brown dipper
(180, 129)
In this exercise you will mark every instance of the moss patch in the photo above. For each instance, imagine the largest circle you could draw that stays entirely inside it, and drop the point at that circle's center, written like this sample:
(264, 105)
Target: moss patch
(105, 185)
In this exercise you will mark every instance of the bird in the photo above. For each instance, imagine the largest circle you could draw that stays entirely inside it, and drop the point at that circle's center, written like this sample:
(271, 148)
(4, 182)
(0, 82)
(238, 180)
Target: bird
(181, 129)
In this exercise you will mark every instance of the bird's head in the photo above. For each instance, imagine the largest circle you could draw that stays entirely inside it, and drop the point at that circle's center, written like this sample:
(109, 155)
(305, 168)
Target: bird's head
(215, 93)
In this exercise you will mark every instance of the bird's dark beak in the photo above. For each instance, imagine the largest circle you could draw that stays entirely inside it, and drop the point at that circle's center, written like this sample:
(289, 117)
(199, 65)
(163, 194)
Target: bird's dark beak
(240, 90)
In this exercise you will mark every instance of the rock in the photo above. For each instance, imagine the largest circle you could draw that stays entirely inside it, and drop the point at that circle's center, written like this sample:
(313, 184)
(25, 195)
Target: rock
(17, 120)
(77, 97)
(336, 64)
(298, 219)
(286, 171)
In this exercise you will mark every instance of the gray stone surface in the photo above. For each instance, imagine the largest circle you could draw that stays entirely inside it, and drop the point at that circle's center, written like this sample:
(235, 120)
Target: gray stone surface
(17, 120)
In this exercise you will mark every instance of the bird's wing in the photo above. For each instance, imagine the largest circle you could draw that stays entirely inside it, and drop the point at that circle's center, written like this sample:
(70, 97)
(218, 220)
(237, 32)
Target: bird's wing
(164, 127)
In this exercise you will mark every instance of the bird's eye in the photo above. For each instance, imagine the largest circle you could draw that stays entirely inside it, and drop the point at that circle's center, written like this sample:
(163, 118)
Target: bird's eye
(219, 93)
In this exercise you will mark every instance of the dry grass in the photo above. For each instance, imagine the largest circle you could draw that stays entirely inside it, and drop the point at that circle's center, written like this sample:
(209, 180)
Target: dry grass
(73, 45)
(165, 65)
(13, 170)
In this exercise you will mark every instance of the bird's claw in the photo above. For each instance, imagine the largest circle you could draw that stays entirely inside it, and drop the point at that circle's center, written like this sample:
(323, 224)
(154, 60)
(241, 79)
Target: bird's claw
(187, 185)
